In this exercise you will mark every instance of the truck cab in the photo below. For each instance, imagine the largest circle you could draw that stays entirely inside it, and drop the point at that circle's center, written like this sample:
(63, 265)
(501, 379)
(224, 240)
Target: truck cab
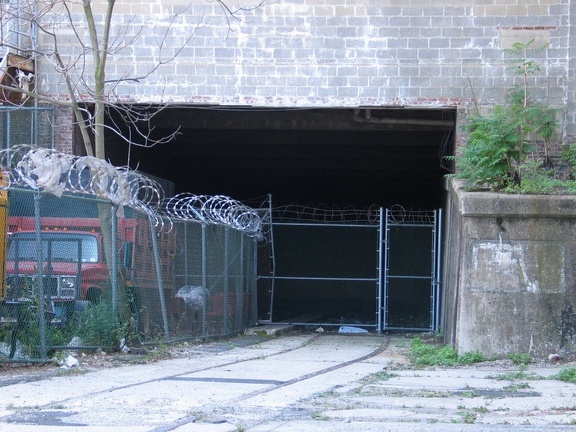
(73, 267)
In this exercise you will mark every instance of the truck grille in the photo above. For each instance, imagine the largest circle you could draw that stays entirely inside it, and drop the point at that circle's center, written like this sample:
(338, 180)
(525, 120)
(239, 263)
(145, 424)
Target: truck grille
(25, 286)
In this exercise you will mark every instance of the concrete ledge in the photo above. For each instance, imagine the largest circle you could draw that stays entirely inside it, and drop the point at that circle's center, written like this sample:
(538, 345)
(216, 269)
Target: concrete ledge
(479, 203)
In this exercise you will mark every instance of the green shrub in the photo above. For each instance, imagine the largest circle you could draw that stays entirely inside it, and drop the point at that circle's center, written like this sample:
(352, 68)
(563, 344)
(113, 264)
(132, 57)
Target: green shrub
(100, 327)
(499, 142)
(520, 358)
(423, 354)
(567, 375)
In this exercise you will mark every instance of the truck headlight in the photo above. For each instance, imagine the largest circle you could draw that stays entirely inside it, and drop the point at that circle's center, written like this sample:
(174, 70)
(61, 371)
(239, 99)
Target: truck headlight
(67, 286)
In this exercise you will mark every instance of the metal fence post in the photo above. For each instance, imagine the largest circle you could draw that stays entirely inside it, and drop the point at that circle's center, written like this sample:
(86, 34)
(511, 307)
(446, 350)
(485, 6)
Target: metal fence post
(40, 278)
(226, 277)
(114, 264)
(254, 279)
(240, 288)
(159, 277)
(380, 271)
(204, 280)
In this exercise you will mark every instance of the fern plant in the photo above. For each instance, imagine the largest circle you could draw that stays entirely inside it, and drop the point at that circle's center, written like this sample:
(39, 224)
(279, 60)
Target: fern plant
(499, 142)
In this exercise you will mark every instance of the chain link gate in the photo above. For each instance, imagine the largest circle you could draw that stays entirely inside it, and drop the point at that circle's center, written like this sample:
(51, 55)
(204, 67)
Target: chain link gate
(376, 269)
(412, 258)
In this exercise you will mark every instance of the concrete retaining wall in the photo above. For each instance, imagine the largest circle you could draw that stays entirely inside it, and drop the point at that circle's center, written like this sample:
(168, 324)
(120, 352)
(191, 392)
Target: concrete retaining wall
(510, 279)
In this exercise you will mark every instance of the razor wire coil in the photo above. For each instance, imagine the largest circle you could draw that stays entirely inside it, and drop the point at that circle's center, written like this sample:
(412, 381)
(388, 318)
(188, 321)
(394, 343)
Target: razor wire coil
(52, 171)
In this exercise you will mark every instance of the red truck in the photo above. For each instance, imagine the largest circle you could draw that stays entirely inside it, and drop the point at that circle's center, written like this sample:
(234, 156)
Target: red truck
(74, 267)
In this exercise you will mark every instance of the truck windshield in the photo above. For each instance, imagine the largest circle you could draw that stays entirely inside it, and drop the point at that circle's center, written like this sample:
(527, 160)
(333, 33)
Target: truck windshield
(22, 247)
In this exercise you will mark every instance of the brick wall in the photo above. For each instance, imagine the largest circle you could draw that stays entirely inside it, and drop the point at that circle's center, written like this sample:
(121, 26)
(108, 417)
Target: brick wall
(337, 52)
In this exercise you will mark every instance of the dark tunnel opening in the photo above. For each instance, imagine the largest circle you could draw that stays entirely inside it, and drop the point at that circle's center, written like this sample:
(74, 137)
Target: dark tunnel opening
(329, 158)
(332, 157)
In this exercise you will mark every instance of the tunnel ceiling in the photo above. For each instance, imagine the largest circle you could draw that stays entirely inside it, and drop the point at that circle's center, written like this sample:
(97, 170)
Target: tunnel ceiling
(323, 156)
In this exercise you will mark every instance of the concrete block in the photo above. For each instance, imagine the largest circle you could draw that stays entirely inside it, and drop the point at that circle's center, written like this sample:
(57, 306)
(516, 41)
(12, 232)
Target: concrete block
(347, 71)
(406, 53)
(323, 92)
(368, 92)
(430, 32)
(418, 43)
(349, 92)
(508, 37)
(344, 32)
(428, 54)
(397, 42)
(399, 21)
(439, 43)
(409, 32)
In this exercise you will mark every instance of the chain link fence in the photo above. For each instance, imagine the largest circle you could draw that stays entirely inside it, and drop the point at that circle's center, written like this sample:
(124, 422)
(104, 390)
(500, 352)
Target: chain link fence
(78, 276)
(26, 125)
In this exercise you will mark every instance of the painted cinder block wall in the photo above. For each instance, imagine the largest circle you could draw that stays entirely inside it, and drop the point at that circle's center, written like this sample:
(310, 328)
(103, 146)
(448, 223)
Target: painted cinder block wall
(345, 53)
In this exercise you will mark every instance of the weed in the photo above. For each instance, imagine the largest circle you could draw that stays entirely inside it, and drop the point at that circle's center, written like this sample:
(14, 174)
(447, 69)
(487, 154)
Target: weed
(567, 375)
(423, 354)
(513, 388)
(378, 376)
(99, 327)
(520, 358)
(469, 394)
(481, 409)
(467, 416)
(329, 394)
(518, 375)
(471, 358)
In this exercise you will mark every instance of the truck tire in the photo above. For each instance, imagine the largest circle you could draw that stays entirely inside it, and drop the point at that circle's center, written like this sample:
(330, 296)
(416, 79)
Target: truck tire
(94, 295)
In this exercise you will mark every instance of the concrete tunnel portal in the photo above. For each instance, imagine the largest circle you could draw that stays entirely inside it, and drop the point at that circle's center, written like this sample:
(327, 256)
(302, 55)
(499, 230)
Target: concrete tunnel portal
(331, 158)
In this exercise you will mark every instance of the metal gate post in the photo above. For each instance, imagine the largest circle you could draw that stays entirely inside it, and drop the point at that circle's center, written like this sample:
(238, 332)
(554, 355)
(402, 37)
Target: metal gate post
(386, 269)
(437, 268)
(273, 263)
(380, 271)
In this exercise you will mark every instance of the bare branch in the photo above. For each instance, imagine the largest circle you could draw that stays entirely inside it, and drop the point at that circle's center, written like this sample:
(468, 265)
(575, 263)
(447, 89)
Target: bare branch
(82, 66)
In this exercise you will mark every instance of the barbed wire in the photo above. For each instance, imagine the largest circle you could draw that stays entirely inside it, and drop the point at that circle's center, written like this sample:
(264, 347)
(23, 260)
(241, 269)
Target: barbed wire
(326, 214)
(51, 171)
